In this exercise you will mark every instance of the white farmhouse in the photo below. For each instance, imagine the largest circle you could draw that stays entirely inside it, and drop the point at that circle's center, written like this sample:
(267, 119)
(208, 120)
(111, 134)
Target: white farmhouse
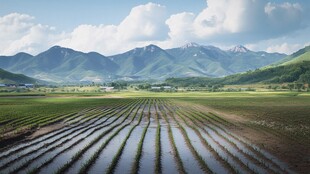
(106, 88)
(155, 88)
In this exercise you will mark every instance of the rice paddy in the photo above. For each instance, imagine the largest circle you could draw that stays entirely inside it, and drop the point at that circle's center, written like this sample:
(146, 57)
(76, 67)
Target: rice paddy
(141, 135)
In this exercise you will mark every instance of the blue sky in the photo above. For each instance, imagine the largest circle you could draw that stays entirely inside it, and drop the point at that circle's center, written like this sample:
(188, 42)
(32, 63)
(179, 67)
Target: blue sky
(111, 27)
(75, 12)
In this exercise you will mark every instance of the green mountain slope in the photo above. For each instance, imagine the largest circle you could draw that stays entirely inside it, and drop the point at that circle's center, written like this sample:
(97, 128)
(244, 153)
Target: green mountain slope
(214, 62)
(202, 60)
(293, 58)
(61, 65)
(147, 62)
(299, 59)
(11, 78)
(296, 69)
(299, 72)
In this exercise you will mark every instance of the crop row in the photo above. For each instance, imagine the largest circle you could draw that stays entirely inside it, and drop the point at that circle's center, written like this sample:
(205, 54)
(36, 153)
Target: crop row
(200, 142)
(63, 138)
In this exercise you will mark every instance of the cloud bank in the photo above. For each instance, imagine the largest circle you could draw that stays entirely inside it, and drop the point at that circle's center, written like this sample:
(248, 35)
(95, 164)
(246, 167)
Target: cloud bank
(259, 24)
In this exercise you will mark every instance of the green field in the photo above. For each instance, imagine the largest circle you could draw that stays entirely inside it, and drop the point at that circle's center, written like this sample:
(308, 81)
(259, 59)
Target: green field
(284, 112)
(239, 125)
(27, 113)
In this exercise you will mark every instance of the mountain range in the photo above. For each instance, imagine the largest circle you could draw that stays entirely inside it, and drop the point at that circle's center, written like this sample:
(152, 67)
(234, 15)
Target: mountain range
(59, 64)
(11, 78)
(293, 68)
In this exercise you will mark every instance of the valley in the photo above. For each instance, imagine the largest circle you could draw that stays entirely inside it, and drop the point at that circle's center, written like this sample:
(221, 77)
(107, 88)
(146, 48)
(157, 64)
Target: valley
(161, 87)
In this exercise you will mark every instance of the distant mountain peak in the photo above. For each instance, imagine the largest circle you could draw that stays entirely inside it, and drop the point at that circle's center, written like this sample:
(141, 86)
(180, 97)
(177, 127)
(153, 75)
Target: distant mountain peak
(55, 47)
(23, 54)
(239, 49)
(151, 48)
(190, 44)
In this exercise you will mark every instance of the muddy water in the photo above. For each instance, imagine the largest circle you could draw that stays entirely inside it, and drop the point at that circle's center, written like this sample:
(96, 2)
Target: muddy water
(213, 164)
(189, 162)
(47, 154)
(127, 158)
(19, 146)
(16, 157)
(147, 161)
(245, 149)
(32, 141)
(66, 156)
(167, 159)
(16, 164)
(49, 138)
(223, 154)
(78, 164)
(107, 155)
(61, 138)
(236, 153)
(267, 155)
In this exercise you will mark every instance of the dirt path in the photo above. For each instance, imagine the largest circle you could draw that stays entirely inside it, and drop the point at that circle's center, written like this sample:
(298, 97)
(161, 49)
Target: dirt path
(45, 130)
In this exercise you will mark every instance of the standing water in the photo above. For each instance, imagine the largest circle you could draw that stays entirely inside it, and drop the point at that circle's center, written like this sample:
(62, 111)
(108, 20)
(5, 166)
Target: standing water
(147, 161)
(128, 156)
(190, 163)
(107, 155)
(168, 163)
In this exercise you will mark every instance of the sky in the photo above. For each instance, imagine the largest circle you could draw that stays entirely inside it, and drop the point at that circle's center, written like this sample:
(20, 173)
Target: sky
(112, 27)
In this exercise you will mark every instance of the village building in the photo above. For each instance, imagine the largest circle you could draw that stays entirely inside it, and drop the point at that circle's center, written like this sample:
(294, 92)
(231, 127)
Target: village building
(155, 88)
(106, 88)
(167, 87)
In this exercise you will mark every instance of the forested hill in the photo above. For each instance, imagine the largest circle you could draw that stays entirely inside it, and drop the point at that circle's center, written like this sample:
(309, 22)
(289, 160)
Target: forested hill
(8, 78)
(282, 74)
(295, 69)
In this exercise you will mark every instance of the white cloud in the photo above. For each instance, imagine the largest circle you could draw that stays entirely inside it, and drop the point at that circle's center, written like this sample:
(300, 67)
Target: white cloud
(221, 16)
(285, 17)
(19, 33)
(180, 26)
(286, 8)
(14, 25)
(287, 44)
(145, 23)
(239, 21)
(284, 48)
(222, 22)
(91, 38)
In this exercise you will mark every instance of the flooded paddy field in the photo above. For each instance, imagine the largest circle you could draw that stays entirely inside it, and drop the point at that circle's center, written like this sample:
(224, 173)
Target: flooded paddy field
(147, 135)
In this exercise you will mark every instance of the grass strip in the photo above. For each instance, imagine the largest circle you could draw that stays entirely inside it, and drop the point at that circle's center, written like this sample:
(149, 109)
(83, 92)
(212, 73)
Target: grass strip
(157, 146)
(136, 164)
